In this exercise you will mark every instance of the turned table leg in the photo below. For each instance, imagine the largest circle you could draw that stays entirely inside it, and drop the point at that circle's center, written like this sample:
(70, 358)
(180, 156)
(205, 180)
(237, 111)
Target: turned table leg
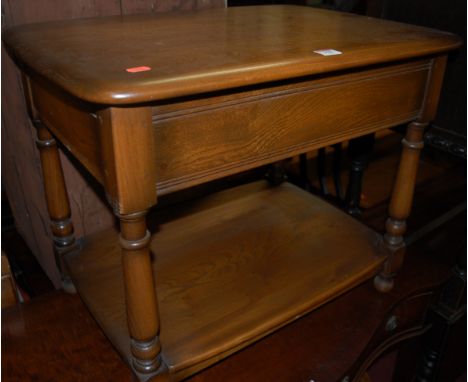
(128, 154)
(142, 311)
(403, 189)
(400, 204)
(57, 201)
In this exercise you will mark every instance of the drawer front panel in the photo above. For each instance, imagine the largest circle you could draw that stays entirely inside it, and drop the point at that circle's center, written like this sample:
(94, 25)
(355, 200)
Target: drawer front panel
(203, 140)
(72, 122)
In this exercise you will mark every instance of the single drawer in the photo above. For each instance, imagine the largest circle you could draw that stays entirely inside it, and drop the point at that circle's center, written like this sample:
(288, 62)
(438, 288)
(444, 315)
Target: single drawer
(201, 140)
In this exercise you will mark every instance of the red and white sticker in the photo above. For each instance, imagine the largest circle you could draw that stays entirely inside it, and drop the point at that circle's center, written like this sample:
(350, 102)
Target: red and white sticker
(328, 52)
(138, 69)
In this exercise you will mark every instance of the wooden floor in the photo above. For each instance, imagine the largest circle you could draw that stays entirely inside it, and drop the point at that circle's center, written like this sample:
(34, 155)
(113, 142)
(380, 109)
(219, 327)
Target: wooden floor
(53, 337)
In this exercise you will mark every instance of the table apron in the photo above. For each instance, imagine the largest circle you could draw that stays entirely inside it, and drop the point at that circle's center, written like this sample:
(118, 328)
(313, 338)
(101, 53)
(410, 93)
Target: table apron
(201, 140)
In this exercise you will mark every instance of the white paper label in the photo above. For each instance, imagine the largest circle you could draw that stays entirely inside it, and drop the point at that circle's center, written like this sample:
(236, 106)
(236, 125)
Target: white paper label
(327, 52)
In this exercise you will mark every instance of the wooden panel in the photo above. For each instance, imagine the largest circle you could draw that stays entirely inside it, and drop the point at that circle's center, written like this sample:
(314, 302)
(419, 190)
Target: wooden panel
(222, 276)
(203, 140)
(74, 123)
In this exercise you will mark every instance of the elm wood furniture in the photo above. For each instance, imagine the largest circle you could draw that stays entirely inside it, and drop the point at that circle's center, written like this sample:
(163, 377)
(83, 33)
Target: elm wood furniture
(207, 101)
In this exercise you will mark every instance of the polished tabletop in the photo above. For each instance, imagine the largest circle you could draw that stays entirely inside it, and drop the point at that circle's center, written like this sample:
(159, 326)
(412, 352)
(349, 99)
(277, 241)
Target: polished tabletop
(142, 58)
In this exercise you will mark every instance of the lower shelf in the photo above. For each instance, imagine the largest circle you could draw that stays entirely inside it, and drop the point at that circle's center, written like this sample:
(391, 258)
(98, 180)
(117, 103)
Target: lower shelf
(230, 269)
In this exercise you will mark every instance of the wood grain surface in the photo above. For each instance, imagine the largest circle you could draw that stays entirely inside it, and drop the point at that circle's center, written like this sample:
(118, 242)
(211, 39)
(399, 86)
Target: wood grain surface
(238, 131)
(230, 269)
(64, 116)
(128, 152)
(210, 50)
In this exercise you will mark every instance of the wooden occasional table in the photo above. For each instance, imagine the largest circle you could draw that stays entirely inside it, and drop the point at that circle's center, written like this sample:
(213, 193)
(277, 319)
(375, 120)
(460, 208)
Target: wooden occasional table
(154, 104)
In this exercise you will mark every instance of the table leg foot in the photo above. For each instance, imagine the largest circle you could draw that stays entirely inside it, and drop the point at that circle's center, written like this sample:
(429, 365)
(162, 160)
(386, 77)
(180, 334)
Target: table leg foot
(383, 284)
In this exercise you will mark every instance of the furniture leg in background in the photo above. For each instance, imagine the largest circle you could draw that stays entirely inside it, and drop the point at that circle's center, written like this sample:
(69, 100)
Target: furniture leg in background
(337, 159)
(440, 353)
(305, 181)
(276, 174)
(336, 171)
(321, 171)
(359, 151)
(304, 173)
(448, 311)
